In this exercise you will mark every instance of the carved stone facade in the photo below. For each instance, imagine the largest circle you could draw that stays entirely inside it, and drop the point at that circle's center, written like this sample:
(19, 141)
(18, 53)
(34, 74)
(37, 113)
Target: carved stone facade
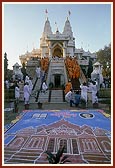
(58, 45)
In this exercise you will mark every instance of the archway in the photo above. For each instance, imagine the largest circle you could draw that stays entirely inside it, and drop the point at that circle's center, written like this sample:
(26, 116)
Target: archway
(57, 51)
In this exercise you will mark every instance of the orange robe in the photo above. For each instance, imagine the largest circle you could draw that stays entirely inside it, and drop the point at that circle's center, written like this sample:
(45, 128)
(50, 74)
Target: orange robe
(68, 86)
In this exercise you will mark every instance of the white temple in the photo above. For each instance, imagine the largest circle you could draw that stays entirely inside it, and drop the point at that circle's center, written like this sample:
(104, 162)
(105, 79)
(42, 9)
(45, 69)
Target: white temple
(57, 45)
(17, 71)
(97, 74)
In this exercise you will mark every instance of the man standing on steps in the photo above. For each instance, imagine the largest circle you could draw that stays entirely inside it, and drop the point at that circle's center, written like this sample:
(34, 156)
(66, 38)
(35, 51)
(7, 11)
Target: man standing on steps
(30, 85)
(38, 72)
(26, 95)
(94, 94)
(84, 89)
(44, 87)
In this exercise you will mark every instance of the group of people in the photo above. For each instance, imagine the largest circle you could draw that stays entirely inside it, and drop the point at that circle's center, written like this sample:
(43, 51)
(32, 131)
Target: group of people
(29, 86)
(93, 88)
(27, 89)
(11, 85)
(75, 97)
(41, 75)
(44, 63)
(73, 67)
(71, 96)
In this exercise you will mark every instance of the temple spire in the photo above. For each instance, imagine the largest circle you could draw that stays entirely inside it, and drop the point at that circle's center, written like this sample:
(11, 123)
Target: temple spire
(67, 28)
(47, 27)
(46, 11)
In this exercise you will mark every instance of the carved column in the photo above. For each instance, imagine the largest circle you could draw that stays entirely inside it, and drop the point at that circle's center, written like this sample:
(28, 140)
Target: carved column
(50, 50)
(64, 49)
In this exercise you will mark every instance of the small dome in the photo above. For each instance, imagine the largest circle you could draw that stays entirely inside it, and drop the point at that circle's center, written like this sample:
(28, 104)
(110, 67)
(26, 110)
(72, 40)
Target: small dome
(16, 65)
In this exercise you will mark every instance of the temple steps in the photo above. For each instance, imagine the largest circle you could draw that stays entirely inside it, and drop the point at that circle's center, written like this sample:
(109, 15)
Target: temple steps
(56, 96)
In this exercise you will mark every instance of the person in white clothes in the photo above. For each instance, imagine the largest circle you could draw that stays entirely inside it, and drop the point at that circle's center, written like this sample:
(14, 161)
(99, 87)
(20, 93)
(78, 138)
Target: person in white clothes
(17, 93)
(94, 93)
(44, 87)
(84, 89)
(26, 79)
(30, 85)
(7, 85)
(38, 72)
(26, 95)
(69, 97)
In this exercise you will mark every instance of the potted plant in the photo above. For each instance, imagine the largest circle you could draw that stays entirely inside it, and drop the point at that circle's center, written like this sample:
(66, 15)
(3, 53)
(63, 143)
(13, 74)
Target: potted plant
(57, 158)
(39, 105)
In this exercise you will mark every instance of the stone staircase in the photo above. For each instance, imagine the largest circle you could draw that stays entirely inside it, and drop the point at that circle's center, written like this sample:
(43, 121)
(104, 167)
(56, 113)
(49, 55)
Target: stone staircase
(56, 67)
(53, 96)
(56, 96)
(37, 86)
(43, 97)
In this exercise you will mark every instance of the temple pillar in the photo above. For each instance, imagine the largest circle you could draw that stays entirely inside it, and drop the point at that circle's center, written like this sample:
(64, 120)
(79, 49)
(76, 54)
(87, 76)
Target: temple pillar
(50, 50)
(64, 49)
(50, 53)
(64, 53)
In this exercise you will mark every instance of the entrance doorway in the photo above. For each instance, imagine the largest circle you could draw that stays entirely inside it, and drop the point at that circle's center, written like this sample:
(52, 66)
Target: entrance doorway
(57, 80)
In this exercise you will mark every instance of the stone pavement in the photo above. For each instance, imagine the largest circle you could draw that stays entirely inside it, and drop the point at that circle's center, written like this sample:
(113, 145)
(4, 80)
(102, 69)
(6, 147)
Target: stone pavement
(9, 116)
(62, 106)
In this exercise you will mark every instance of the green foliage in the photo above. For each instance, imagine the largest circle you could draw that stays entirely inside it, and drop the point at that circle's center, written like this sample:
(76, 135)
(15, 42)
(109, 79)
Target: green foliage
(90, 68)
(5, 65)
(104, 57)
(23, 69)
(57, 158)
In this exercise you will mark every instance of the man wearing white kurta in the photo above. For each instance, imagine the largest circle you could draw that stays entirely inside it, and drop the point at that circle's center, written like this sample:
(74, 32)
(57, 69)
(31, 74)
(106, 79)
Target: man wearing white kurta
(38, 72)
(26, 78)
(69, 97)
(30, 85)
(26, 95)
(17, 93)
(94, 92)
(44, 87)
(84, 90)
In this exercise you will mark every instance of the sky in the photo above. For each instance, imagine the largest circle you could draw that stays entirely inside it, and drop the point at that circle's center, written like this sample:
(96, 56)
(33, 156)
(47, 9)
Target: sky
(23, 25)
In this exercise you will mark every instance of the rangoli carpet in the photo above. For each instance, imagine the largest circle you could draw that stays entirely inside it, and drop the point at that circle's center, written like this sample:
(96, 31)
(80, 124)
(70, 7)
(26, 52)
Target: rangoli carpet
(86, 135)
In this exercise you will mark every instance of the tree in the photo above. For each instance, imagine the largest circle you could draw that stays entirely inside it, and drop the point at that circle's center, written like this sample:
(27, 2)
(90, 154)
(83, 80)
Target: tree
(5, 65)
(104, 57)
(90, 69)
(23, 70)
